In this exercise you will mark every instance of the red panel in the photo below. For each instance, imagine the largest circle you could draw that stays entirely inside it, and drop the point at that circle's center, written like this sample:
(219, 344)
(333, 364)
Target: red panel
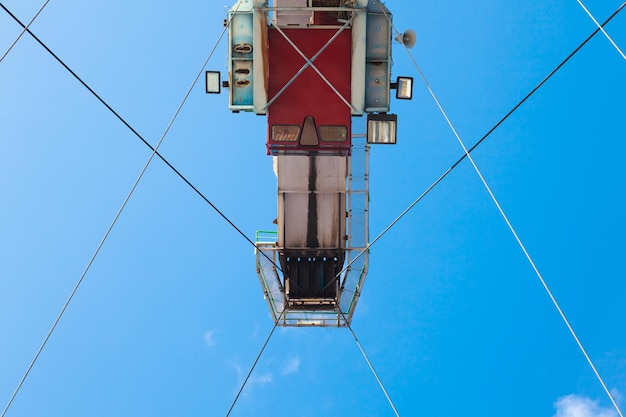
(309, 94)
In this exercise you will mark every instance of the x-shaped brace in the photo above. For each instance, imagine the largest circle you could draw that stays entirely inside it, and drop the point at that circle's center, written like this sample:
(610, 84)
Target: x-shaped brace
(309, 63)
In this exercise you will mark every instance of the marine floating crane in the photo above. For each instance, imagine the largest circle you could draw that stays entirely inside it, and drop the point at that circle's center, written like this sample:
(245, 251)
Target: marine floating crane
(310, 66)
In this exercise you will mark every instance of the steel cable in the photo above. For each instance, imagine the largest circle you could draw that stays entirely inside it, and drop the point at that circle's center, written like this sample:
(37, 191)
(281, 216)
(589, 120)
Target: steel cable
(24, 29)
(369, 364)
(602, 29)
(245, 381)
(119, 212)
(479, 142)
(512, 229)
(120, 118)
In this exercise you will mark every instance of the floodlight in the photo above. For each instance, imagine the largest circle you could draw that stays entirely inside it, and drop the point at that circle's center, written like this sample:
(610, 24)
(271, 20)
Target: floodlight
(382, 128)
(404, 88)
(213, 84)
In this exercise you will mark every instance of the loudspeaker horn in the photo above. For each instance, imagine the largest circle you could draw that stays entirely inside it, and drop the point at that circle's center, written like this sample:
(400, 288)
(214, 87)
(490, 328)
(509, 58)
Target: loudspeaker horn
(407, 38)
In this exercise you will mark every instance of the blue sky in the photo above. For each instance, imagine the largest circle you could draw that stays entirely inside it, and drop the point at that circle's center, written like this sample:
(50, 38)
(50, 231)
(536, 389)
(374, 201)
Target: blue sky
(170, 316)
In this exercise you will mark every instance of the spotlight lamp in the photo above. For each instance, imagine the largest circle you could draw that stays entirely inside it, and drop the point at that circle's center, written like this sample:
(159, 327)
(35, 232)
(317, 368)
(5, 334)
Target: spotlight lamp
(382, 128)
(404, 88)
(213, 84)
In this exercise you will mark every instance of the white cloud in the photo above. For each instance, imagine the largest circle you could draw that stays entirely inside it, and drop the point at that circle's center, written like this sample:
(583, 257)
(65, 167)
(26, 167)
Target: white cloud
(254, 379)
(617, 396)
(260, 379)
(209, 338)
(291, 366)
(576, 406)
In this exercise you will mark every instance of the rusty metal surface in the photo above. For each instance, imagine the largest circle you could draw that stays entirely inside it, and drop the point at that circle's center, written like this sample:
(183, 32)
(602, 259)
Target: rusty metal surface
(309, 95)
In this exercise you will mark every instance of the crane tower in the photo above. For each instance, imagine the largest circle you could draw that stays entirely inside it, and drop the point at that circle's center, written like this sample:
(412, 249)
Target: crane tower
(310, 67)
